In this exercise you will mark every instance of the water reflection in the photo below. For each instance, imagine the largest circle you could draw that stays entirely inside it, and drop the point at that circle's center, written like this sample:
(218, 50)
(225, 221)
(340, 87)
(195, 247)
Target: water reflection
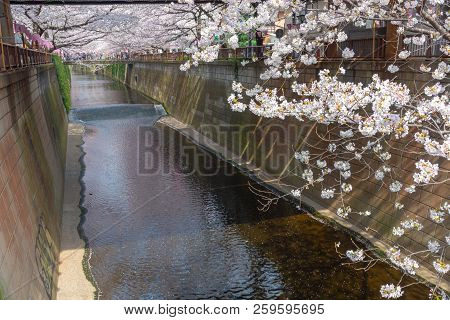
(175, 235)
(92, 89)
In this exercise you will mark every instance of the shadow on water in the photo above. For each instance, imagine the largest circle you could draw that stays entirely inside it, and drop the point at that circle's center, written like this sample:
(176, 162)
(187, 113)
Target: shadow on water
(167, 220)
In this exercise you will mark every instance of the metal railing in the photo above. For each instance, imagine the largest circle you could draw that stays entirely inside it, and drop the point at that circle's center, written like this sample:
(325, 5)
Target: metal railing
(14, 57)
(224, 54)
(165, 56)
(371, 48)
(368, 49)
(430, 48)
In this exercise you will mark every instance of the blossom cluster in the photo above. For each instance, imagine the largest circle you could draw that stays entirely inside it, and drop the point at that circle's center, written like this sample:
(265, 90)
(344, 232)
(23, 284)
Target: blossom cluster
(364, 130)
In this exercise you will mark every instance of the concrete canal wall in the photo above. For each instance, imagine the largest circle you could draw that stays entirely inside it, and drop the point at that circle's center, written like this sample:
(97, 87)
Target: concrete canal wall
(198, 98)
(33, 126)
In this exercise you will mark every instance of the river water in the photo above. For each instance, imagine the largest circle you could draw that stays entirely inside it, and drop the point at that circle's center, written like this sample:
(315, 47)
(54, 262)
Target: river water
(189, 227)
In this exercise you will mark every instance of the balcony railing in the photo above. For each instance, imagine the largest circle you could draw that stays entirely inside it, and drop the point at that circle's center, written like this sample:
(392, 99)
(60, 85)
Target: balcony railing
(431, 48)
(14, 57)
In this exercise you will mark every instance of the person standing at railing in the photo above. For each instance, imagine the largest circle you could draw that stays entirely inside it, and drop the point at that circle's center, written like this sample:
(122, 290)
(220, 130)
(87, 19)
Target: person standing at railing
(259, 43)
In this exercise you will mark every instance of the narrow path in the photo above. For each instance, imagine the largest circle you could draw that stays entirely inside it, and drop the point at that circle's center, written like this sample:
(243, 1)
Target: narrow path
(72, 282)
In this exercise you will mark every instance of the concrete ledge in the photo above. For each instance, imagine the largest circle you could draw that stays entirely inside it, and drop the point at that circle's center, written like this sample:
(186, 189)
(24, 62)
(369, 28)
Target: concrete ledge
(72, 283)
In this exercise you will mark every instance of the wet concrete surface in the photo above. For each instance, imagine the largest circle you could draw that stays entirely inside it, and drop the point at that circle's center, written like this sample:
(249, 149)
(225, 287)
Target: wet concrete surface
(72, 282)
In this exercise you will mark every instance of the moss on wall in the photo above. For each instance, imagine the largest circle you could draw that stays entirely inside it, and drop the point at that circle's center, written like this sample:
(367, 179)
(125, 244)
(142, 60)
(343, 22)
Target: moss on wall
(64, 80)
(117, 71)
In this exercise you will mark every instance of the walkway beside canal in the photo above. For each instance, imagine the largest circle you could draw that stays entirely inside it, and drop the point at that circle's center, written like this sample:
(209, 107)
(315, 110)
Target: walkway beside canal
(72, 282)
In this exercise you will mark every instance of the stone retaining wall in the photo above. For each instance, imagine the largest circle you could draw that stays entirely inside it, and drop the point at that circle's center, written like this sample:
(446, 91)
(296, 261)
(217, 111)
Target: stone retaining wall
(33, 126)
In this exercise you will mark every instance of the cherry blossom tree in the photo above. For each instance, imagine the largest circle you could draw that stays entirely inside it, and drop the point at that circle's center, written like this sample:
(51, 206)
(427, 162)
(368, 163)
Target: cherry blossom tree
(135, 28)
(74, 26)
(360, 127)
(166, 27)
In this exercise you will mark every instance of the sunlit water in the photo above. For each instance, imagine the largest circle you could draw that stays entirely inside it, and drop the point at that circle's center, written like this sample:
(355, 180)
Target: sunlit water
(175, 233)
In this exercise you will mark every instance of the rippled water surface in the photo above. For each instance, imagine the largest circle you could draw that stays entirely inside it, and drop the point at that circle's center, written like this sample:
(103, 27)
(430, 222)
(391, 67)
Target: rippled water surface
(173, 233)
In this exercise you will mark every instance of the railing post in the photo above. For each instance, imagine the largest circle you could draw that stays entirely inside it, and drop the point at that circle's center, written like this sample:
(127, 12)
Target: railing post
(3, 67)
(16, 57)
(373, 39)
(3, 48)
(392, 41)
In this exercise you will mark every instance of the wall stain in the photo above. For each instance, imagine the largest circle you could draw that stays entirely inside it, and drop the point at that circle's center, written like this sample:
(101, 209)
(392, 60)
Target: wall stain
(45, 251)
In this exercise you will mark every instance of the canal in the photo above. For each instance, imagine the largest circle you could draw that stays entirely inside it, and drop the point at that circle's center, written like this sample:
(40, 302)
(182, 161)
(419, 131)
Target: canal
(166, 220)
